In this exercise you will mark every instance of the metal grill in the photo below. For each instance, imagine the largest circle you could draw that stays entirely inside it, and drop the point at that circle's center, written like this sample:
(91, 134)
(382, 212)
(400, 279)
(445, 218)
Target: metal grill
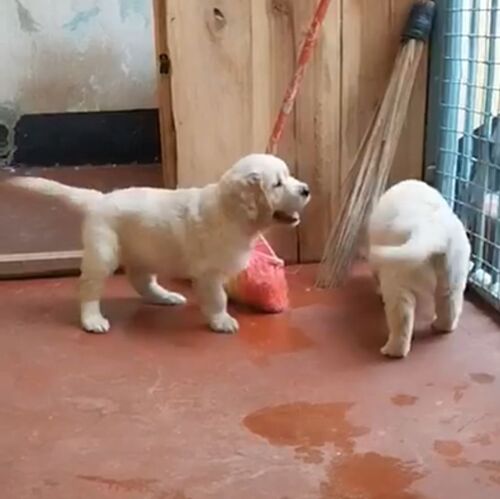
(463, 137)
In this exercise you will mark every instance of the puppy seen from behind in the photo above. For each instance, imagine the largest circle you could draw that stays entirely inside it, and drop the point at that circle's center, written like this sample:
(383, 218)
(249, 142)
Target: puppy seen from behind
(418, 247)
(203, 234)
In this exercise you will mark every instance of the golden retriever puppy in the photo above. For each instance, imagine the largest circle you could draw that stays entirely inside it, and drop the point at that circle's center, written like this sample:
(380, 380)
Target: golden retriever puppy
(418, 247)
(204, 234)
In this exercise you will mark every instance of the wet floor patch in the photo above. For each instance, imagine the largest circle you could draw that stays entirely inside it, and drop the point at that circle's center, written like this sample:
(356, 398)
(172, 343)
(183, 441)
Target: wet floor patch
(403, 399)
(371, 476)
(303, 425)
(448, 448)
(482, 378)
(308, 427)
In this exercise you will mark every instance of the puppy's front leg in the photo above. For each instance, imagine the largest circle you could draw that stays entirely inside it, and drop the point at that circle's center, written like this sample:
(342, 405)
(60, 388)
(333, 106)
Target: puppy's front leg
(91, 317)
(213, 302)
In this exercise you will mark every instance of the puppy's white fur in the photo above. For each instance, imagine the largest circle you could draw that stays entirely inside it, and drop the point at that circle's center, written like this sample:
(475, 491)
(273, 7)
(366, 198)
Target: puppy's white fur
(418, 246)
(204, 234)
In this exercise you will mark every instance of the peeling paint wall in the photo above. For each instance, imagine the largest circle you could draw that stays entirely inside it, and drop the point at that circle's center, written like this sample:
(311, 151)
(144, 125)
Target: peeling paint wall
(76, 55)
(8, 119)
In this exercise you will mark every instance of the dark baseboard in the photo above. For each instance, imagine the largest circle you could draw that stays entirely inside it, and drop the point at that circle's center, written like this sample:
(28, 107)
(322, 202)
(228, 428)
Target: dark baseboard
(90, 138)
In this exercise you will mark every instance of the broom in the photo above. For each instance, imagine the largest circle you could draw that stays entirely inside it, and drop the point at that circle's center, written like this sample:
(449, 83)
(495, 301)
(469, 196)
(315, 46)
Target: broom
(367, 178)
(263, 284)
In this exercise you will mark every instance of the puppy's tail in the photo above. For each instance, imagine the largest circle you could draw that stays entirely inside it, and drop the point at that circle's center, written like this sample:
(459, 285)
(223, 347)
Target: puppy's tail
(420, 246)
(77, 197)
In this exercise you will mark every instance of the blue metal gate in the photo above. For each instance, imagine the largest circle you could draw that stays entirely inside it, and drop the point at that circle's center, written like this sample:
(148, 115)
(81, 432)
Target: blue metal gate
(463, 132)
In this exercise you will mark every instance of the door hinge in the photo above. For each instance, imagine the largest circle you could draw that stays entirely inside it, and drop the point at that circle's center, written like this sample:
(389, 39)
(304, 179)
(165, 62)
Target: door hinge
(164, 64)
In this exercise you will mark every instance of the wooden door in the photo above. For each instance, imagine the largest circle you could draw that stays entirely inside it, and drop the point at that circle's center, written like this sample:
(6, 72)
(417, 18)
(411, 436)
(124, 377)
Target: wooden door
(230, 62)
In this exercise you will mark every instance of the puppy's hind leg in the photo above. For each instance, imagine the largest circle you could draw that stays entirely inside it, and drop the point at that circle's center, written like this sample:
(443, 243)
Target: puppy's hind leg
(100, 260)
(449, 296)
(400, 314)
(147, 286)
(448, 310)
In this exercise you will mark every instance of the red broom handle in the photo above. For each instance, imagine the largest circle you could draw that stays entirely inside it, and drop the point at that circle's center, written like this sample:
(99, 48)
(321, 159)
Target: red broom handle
(294, 85)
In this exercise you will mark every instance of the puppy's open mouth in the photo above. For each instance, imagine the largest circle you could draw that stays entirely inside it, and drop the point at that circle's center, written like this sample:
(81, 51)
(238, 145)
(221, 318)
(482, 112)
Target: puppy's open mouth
(287, 218)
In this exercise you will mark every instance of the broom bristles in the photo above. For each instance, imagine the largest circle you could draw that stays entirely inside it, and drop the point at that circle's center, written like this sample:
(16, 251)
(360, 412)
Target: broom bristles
(369, 173)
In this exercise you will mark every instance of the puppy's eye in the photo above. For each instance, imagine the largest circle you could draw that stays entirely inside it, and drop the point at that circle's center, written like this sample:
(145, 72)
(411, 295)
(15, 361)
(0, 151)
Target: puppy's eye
(279, 183)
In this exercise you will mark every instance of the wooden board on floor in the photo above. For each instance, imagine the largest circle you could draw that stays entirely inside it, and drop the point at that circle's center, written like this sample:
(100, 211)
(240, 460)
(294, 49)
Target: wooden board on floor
(34, 224)
(39, 264)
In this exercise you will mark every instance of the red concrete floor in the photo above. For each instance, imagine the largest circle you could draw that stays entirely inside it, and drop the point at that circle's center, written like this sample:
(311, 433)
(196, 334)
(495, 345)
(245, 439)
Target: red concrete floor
(295, 406)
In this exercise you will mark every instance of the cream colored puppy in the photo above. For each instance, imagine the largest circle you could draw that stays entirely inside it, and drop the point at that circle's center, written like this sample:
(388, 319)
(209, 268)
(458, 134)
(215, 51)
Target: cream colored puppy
(204, 234)
(418, 246)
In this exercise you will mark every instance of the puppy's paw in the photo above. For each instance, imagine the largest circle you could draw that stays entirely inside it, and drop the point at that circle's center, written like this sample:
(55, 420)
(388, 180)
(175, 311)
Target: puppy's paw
(95, 324)
(168, 298)
(224, 323)
(395, 350)
(443, 327)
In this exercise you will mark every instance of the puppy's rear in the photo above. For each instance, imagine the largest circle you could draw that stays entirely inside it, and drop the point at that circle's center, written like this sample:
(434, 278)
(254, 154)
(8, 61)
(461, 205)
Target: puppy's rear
(417, 245)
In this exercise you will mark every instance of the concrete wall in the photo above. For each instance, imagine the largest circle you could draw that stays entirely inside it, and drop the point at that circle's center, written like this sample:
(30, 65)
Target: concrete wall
(76, 55)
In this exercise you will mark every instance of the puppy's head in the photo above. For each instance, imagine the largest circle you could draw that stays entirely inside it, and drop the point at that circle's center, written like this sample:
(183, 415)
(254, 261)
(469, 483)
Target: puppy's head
(260, 185)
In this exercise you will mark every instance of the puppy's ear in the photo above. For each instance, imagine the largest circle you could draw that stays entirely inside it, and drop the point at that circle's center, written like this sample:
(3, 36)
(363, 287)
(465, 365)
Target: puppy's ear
(253, 178)
(245, 195)
(257, 202)
(248, 188)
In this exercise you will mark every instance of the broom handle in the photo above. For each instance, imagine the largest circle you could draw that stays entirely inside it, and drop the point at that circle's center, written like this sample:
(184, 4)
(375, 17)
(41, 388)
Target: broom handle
(294, 84)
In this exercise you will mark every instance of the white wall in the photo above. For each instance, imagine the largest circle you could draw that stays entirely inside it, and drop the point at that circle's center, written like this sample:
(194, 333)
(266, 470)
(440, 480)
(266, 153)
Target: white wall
(76, 55)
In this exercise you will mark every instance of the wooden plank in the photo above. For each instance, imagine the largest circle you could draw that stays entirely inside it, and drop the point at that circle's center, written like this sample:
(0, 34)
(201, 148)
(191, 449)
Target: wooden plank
(30, 223)
(226, 93)
(262, 64)
(33, 257)
(164, 95)
(211, 54)
(282, 53)
(409, 160)
(369, 51)
(39, 264)
(241, 55)
(318, 129)
(367, 59)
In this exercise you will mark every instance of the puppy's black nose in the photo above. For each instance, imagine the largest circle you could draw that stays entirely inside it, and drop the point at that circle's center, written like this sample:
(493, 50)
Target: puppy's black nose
(304, 191)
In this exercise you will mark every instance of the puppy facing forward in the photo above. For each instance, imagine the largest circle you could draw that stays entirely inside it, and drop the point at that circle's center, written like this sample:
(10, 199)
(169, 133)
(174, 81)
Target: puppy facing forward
(418, 247)
(204, 234)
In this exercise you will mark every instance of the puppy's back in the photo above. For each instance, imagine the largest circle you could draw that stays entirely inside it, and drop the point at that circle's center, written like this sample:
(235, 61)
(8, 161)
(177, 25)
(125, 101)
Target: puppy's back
(410, 222)
(407, 203)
